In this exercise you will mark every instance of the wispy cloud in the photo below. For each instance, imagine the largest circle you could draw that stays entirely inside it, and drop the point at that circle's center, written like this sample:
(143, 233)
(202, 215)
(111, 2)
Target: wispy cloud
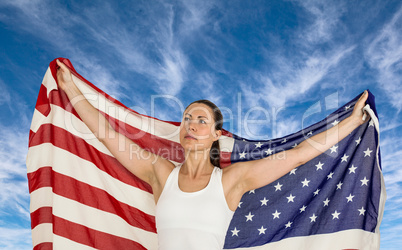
(384, 54)
(5, 97)
(294, 78)
(323, 20)
(56, 26)
(15, 238)
(14, 196)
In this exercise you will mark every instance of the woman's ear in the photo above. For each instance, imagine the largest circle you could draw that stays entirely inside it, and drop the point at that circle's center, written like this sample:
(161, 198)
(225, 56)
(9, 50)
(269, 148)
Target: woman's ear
(218, 134)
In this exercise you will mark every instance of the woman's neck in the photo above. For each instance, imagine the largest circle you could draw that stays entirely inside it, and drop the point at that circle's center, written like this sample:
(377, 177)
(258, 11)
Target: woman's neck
(197, 163)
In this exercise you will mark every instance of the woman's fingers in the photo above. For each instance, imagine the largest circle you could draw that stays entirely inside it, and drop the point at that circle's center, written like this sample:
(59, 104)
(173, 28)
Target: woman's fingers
(358, 110)
(362, 100)
(62, 65)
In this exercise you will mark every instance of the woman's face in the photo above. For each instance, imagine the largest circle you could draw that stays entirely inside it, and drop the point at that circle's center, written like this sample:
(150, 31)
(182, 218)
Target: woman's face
(197, 129)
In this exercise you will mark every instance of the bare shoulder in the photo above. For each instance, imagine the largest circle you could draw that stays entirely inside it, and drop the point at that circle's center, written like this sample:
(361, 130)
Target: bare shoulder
(233, 184)
(232, 175)
(161, 169)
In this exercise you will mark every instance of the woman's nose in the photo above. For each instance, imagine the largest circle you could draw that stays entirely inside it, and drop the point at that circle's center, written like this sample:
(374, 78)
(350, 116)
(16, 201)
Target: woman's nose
(191, 126)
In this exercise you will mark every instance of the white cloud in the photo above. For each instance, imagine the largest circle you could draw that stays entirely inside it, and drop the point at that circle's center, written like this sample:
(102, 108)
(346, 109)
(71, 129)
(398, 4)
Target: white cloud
(384, 53)
(294, 78)
(14, 195)
(15, 238)
(325, 18)
(5, 97)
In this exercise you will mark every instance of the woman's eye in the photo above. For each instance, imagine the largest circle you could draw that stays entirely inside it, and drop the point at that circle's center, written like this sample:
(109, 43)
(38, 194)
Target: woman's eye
(202, 121)
(186, 118)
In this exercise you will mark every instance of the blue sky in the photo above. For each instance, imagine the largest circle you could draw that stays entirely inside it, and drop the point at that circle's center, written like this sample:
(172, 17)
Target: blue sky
(265, 63)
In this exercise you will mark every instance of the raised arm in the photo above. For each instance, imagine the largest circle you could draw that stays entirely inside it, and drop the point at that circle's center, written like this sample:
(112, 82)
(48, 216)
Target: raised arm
(258, 173)
(137, 160)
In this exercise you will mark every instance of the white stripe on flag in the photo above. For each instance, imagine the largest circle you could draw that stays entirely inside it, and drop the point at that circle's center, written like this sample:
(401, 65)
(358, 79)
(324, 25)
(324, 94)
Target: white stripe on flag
(42, 197)
(339, 240)
(102, 221)
(66, 244)
(42, 233)
(87, 172)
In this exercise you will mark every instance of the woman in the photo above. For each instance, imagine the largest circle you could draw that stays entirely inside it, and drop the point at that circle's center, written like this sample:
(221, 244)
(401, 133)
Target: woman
(196, 200)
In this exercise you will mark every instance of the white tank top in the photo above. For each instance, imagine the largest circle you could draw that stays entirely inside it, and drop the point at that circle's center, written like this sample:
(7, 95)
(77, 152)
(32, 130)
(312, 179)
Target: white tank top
(192, 220)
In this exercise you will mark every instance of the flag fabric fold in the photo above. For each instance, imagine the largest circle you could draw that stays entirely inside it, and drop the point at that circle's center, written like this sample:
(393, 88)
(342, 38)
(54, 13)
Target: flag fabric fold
(83, 198)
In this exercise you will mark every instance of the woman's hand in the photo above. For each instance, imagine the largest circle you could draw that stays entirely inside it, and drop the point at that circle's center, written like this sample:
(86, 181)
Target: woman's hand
(64, 77)
(358, 114)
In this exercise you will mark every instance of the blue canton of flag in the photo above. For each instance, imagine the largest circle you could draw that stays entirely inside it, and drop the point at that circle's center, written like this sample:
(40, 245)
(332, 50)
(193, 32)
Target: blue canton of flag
(334, 201)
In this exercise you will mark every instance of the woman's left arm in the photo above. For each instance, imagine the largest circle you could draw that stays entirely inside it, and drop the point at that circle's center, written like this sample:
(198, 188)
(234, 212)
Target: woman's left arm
(258, 173)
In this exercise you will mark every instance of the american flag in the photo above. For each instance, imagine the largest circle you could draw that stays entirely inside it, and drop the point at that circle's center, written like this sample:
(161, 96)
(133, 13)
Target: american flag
(83, 198)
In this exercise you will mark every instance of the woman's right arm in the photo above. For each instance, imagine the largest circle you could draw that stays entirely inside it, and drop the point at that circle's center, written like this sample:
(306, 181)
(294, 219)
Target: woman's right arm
(137, 160)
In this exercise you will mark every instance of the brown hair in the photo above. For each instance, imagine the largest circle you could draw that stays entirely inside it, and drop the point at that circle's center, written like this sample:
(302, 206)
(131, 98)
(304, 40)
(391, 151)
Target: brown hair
(214, 153)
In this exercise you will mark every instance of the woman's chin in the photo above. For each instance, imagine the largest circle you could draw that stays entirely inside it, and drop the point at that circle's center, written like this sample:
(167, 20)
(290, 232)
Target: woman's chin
(193, 146)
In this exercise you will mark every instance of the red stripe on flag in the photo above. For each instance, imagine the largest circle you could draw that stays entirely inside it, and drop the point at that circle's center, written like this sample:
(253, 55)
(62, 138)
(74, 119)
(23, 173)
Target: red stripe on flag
(88, 195)
(225, 159)
(41, 215)
(42, 104)
(44, 246)
(61, 138)
(152, 143)
(91, 237)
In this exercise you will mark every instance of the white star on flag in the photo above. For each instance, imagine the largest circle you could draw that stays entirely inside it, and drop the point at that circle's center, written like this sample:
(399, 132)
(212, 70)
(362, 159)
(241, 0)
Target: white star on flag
(293, 171)
(350, 198)
(330, 175)
(264, 202)
(278, 187)
(334, 123)
(352, 169)
(303, 209)
(305, 182)
(339, 185)
(361, 211)
(319, 165)
(345, 158)
(235, 232)
(367, 152)
(364, 181)
(276, 214)
(261, 230)
(289, 224)
(335, 215)
(258, 145)
(326, 202)
(358, 141)
(242, 155)
(249, 216)
(290, 198)
(313, 218)
(269, 151)
(333, 149)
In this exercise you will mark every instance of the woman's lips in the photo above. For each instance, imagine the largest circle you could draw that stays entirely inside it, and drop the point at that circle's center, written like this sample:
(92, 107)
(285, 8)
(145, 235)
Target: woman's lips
(190, 137)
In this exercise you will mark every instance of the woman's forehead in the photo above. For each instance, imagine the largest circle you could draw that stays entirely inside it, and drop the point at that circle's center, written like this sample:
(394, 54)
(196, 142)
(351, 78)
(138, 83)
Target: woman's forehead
(198, 109)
